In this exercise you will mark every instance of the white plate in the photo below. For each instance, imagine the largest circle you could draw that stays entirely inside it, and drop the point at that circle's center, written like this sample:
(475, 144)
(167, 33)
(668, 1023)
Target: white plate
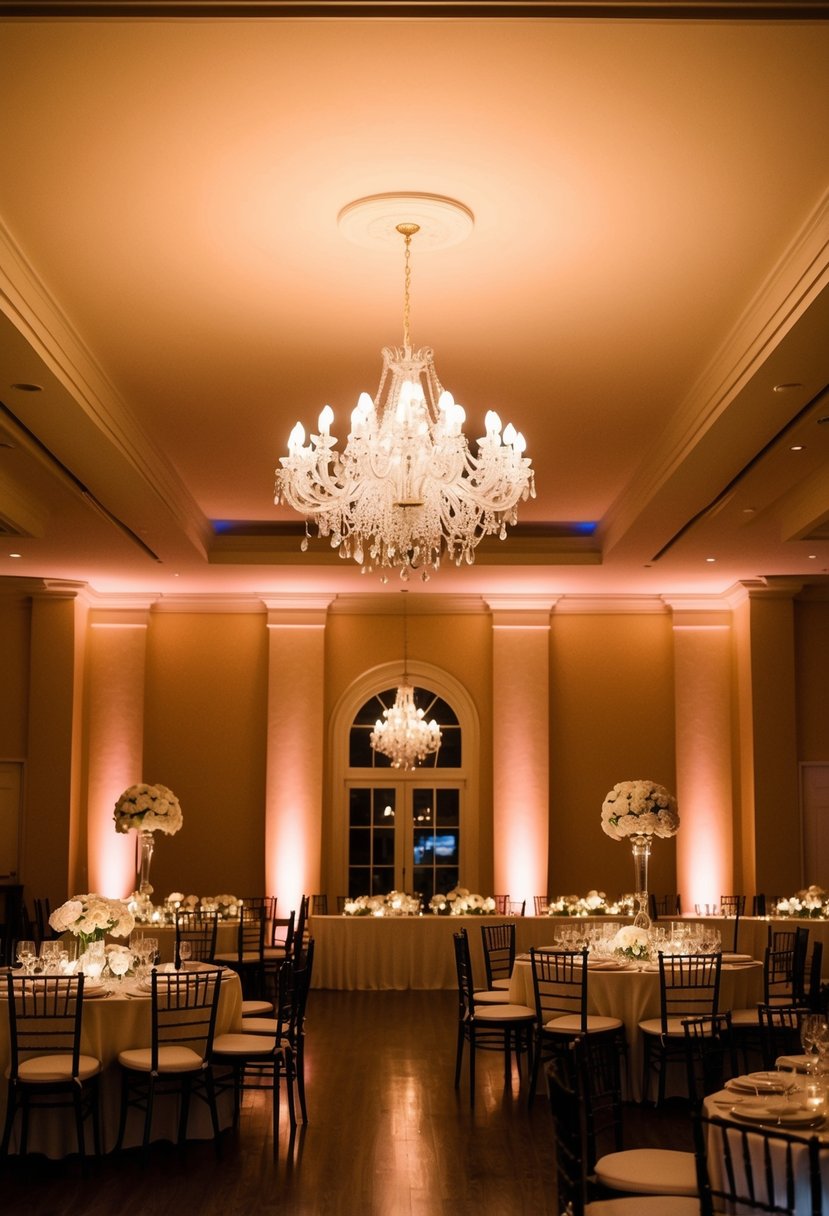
(796, 1063)
(758, 1082)
(775, 1114)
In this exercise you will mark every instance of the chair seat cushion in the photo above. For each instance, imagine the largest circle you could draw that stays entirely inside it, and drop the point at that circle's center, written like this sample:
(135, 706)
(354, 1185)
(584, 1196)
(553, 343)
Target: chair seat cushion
(260, 1026)
(272, 953)
(53, 1069)
(170, 1059)
(256, 1009)
(648, 1171)
(653, 1026)
(491, 996)
(571, 1024)
(505, 983)
(504, 1013)
(644, 1205)
(243, 1045)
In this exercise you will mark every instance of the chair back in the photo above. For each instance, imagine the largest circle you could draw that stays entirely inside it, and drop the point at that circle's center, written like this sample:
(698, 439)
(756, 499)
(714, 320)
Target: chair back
(732, 905)
(541, 904)
(250, 941)
(560, 984)
(295, 995)
(266, 902)
(45, 1013)
(463, 967)
(689, 986)
(570, 1110)
(501, 904)
(815, 974)
(43, 930)
(780, 1031)
(499, 951)
(199, 929)
(710, 1054)
(282, 932)
(319, 905)
(784, 968)
(516, 907)
(184, 1005)
(301, 924)
(756, 1169)
(664, 905)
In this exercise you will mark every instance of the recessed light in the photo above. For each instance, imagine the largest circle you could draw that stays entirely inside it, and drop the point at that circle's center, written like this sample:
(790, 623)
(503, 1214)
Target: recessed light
(28, 388)
(749, 510)
(796, 447)
(812, 557)
(15, 555)
(710, 559)
(786, 388)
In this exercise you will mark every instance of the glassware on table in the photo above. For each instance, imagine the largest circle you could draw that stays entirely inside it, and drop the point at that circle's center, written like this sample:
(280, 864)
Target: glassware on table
(810, 1031)
(185, 950)
(119, 963)
(26, 955)
(49, 957)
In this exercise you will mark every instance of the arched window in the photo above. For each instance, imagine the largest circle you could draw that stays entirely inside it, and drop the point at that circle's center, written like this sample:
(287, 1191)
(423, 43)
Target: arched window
(362, 755)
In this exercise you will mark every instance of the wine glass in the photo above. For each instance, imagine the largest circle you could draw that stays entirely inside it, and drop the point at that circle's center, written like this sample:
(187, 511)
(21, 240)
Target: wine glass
(809, 1030)
(185, 950)
(26, 955)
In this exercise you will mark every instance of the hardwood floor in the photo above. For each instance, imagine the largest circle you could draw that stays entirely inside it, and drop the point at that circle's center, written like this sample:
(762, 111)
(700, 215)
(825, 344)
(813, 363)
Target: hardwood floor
(388, 1135)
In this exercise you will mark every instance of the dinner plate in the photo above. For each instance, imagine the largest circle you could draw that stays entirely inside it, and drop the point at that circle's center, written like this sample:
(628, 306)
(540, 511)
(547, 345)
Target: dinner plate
(775, 1114)
(758, 1082)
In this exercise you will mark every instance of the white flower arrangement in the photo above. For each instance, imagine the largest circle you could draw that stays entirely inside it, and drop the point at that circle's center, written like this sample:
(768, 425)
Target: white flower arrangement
(594, 903)
(632, 943)
(396, 903)
(148, 808)
(91, 916)
(811, 903)
(639, 808)
(461, 902)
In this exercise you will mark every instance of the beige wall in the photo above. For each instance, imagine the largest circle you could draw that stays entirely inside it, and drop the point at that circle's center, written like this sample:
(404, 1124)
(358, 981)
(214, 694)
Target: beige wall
(811, 623)
(611, 719)
(15, 642)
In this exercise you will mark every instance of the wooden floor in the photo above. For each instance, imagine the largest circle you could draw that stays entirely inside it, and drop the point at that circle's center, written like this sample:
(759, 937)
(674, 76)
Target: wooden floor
(388, 1135)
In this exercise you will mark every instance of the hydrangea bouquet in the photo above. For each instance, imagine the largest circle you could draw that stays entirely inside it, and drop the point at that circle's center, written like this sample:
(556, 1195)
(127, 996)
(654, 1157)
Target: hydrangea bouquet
(91, 917)
(148, 808)
(811, 903)
(639, 808)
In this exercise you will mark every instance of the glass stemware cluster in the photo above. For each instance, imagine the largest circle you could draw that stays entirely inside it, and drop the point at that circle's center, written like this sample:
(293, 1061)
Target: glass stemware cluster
(145, 949)
(814, 1036)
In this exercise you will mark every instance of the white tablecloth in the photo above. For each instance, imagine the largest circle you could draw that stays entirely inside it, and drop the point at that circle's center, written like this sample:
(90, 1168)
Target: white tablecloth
(112, 1024)
(633, 996)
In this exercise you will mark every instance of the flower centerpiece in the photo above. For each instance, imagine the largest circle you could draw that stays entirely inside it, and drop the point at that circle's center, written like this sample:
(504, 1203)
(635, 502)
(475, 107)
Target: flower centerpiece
(633, 943)
(594, 903)
(147, 809)
(461, 902)
(90, 917)
(396, 903)
(640, 810)
(811, 903)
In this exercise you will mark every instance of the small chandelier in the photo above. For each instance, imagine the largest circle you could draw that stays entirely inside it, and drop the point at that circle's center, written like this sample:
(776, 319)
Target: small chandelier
(403, 734)
(406, 490)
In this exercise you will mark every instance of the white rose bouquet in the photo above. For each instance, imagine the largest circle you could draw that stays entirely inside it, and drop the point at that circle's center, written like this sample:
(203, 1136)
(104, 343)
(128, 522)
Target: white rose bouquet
(149, 808)
(639, 808)
(91, 917)
(473, 905)
(632, 943)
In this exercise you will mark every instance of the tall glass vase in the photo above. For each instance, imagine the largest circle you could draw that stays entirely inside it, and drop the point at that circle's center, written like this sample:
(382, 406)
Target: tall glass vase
(641, 855)
(146, 842)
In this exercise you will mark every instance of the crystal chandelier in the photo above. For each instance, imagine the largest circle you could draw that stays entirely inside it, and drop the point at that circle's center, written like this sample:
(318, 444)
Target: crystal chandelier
(406, 490)
(403, 734)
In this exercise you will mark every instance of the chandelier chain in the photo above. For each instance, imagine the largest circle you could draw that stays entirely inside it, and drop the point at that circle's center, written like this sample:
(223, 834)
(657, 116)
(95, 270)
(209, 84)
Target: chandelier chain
(407, 231)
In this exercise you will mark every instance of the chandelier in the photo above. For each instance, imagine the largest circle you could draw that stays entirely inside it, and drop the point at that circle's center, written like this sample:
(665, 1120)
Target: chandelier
(403, 734)
(406, 490)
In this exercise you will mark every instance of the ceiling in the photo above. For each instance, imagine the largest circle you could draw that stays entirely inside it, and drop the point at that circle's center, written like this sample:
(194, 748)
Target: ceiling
(645, 292)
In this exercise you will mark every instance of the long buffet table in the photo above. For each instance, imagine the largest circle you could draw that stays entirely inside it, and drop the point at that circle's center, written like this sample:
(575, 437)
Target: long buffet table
(416, 951)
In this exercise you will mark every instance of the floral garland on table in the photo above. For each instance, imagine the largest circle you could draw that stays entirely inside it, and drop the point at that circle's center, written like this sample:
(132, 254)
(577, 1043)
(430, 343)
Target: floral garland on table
(396, 903)
(639, 808)
(148, 808)
(227, 907)
(632, 943)
(90, 917)
(811, 903)
(460, 902)
(594, 903)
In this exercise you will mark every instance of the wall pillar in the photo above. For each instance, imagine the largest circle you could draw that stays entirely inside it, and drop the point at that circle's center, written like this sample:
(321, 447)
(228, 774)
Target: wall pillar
(521, 746)
(295, 748)
(117, 649)
(704, 778)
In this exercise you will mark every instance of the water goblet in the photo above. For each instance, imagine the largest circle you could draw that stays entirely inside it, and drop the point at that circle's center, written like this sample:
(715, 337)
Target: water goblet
(119, 962)
(809, 1029)
(185, 950)
(26, 955)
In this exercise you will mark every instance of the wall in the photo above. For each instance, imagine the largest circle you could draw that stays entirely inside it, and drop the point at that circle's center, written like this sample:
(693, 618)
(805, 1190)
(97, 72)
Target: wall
(611, 719)
(812, 679)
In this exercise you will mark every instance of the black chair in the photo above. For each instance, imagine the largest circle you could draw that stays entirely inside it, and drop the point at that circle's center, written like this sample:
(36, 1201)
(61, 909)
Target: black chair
(541, 904)
(815, 968)
(505, 1028)
(43, 930)
(710, 1054)
(248, 959)
(199, 930)
(779, 1027)
(572, 1107)
(663, 905)
(266, 1058)
(689, 987)
(732, 905)
(177, 1060)
(501, 904)
(47, 1068)
(499, 953)
(319, 905)
(755, 1169)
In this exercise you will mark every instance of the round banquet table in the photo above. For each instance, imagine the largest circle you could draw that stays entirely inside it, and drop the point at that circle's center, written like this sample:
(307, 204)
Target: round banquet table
(632, 995)
(112, 1024)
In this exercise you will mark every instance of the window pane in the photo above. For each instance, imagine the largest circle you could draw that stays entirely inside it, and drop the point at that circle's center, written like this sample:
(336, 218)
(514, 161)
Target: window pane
(359, 881)
(448, 807)
(424, 848)
(384, 846)
(382, 880)
(422, 807)
(359, 807)
(384, 804)
(360, 751)
(446, 877)
(423, 884)
(359, 847)
(449, 752)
